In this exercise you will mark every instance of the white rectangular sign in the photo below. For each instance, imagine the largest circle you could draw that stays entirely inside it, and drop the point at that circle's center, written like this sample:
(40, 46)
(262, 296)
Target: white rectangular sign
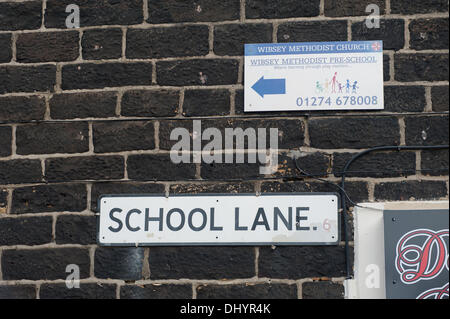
(314, 76)
(219, 219)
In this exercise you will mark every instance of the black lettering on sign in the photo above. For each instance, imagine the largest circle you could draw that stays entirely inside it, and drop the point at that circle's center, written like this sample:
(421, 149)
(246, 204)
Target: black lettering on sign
(299, 218)
(183, 219)
(127, 220)
(149, 219)
(118, 221)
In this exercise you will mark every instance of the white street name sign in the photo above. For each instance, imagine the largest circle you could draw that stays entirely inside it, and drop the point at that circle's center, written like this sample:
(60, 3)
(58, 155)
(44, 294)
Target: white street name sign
(219, 219)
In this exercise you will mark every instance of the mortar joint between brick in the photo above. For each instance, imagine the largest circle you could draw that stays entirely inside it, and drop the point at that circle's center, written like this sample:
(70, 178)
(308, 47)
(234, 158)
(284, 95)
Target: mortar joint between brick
(54, 218)
(198, 171)
(180, 103)
(58, 80)
(80, 46)
(154, 75)
(407, 34)
(43, 172)
(145, 10)
(392, 66)
(124, 44)
(92, 261)
(257, 187)
(125, 167)
(9, 200)
(232, 102)
(88, 196)
(299, 285)
(275, 26)
(349, 30)
(167, 189)
(371, 191)
(118, 109)
(13, 140)
(211, 39)
(44, 8)
(194, 290)
(307, 139)
(91, 137)
(118, 288)
(242, 11)
(419, 162)
(428, 100)
(14, 47)
(47, 114)
(146, 265)
(402, 127)
(256, 262)
(156, 128)
(388, 7)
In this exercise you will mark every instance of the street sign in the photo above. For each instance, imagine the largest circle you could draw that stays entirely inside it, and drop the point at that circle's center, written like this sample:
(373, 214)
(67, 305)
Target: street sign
(314, 76)
(219, 219)
(416, 254)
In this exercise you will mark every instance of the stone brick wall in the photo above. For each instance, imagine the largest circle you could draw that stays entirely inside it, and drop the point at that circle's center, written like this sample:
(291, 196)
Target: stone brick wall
(89, 111)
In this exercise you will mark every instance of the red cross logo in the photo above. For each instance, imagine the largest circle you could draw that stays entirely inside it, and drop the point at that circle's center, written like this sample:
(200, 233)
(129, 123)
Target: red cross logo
(376, 46)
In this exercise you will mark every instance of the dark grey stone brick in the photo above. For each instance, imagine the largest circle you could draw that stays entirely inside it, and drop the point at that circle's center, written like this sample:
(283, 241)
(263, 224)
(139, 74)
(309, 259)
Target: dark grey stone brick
(302, 262)
(167, 42)
(229, 39)
(44, 264)
(410, 190)
(21, 108)
(49, 198)
(18, 292)
(25, 15)
(201, 262)
(47, 46)
(48, 138)
(119, 263)
(429, 34)
(334, 133)
(123, 136)
(86, 291)
(206, 102)
(160, 103)
(20, 171)
(102, 44)
(312, 31)
(114, 188)
(173, 11)
(14, 78)
(166, 291)
(25, 231)
(95, 12)
(247, 291)
(98, 76)
(421, 67)
(84, 168)
(279, 9)
(429, 130)
(83, 105)
(322, 290)
(197, 72)
(76, 229)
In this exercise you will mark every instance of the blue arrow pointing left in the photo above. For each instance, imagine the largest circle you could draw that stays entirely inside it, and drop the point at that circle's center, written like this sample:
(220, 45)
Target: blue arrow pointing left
(270, 86)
